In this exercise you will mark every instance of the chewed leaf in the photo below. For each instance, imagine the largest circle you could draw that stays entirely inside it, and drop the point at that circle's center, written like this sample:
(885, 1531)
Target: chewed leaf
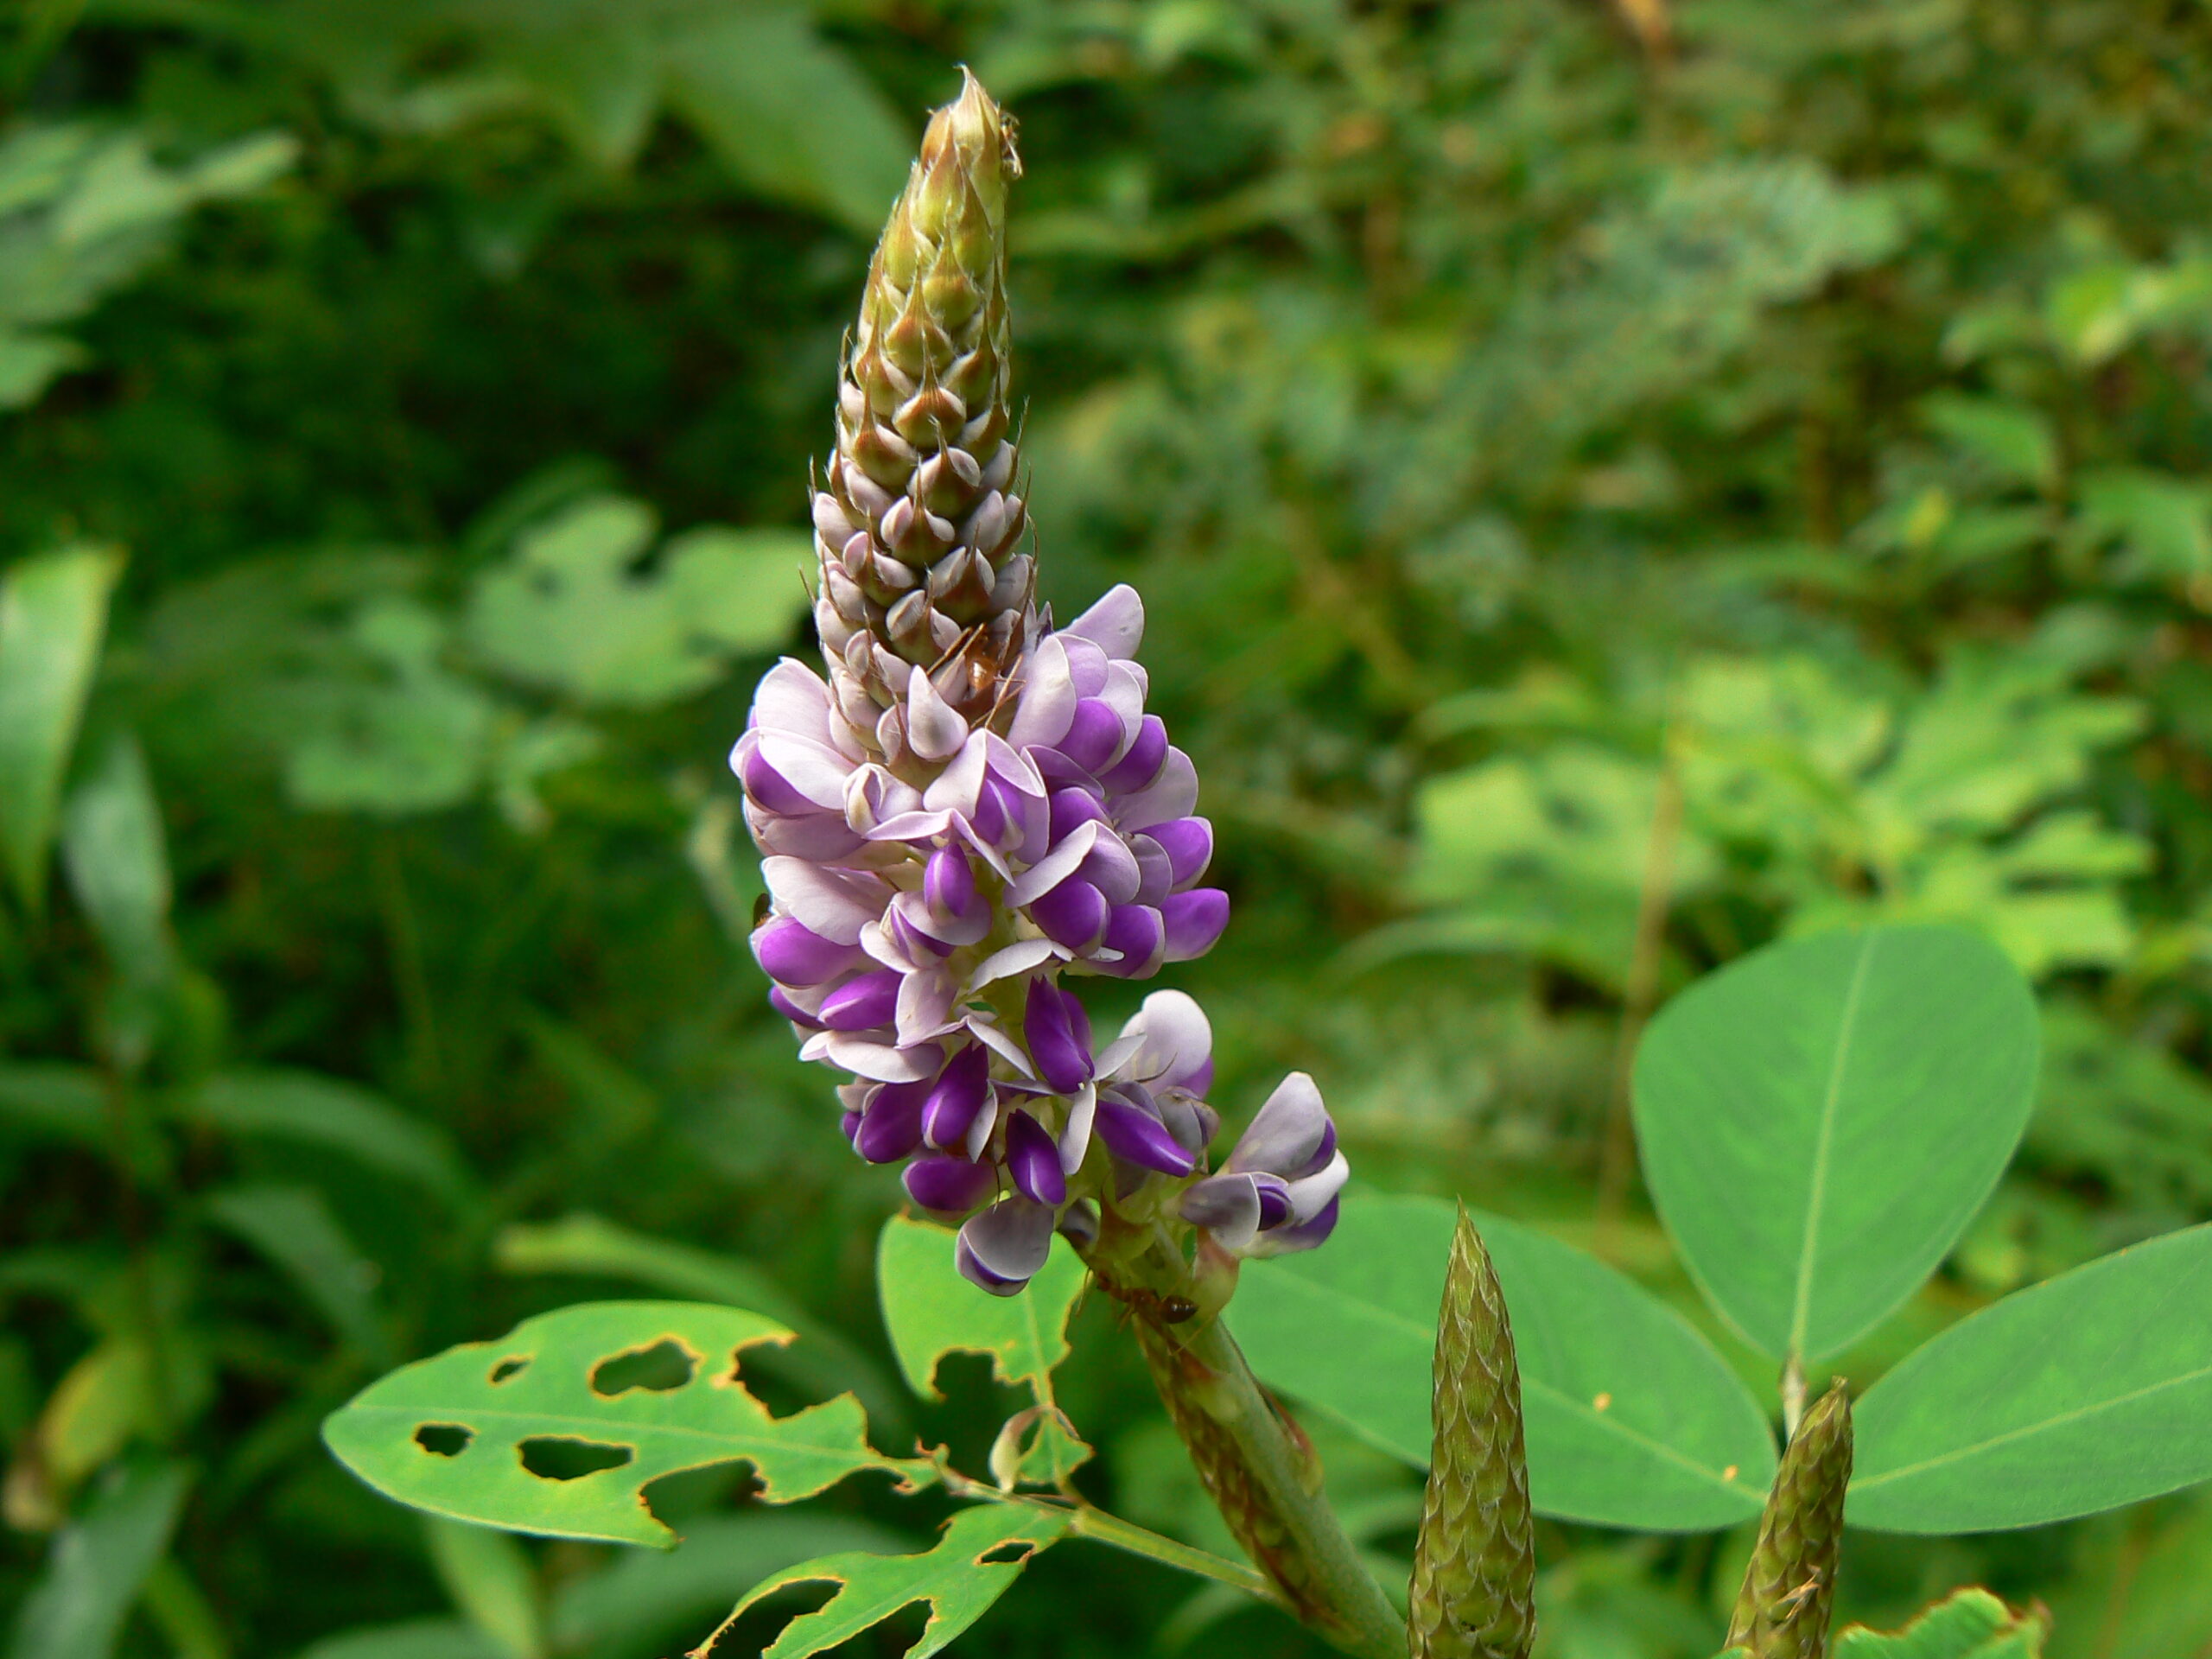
(931, 1310)
(982, 1553)
(558, 1427)
(1972, 1624)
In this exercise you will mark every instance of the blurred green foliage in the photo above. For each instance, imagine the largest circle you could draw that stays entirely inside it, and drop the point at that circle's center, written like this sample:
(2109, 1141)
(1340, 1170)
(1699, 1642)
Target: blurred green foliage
(1610, 487)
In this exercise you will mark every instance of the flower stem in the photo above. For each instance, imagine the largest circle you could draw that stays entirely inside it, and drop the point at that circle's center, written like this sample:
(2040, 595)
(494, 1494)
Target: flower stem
(1256, 1463)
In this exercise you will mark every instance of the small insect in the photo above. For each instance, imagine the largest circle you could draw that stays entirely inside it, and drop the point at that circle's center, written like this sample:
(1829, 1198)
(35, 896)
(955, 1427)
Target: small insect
(1794, 1602)
(1161, 1307)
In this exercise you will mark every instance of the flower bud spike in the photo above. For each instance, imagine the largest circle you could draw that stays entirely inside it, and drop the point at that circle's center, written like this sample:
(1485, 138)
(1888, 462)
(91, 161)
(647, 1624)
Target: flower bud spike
(1789, 1593)
(1474, 1583)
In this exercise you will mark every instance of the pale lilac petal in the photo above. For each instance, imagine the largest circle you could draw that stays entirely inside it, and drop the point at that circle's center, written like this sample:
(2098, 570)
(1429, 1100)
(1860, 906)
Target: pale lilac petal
(1287, 1131)
(1156, 871)
(1019, 958)
(960, 785)
(1048, 697)
(994, 1037)
(1228, 1206)
(815, 771)
(1075, 1135)
(792, 698)
(918, 827)
(1308, 1197)
(818, 838)
(934, 729)
(1087, 664)
(1054, 868)
(880, 1061)
(925, 1005)
(1111, 867)
(1173, 794)
(1190, 1120)
(1124, 695)
(1011, 766)
(1002, 1248)
(1115, 622)
(835, 904)
(1177, 1040)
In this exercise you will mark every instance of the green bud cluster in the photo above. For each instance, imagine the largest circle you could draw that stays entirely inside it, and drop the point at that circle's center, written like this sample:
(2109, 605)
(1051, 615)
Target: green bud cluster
(1473, 1592)
(1789, 1595)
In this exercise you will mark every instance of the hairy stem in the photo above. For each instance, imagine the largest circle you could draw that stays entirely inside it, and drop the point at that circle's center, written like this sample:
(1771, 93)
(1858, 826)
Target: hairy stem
(1256, 1463)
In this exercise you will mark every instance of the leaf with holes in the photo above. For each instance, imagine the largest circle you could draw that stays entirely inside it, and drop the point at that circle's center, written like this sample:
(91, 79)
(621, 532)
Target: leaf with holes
(1819, 1121)
(982, 1553)
(931, 1310)
(2081, 1394)
(1632, 1420)
(559, 1425)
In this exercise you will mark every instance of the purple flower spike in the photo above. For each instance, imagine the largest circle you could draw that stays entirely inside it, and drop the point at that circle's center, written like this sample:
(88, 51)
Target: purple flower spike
(1074, 914)
(1137, 1137)
(1059, 1034)
(949, 1111)
(948, 1185)
(891, 1123)
(1194, 920)
(789, 950)
(1001, 1248)
(948, 884)
(1033, 1158)
(864, 1003)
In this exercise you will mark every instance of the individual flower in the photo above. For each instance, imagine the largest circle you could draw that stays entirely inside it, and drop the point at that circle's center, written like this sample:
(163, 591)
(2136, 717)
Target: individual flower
(1278, 1192)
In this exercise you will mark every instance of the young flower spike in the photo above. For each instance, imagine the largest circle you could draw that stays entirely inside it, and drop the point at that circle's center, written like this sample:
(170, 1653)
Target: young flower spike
(1789, 1595)
(1474, 1583)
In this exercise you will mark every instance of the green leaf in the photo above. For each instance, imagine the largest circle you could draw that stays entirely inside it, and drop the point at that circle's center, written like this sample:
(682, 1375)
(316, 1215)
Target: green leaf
(53, 615)
(294, 1227)
(982, 1553)
(114, 849)
(1819, 1121)
(1632, 1418)
(490, 1578)
(467, 1432)
(341, 1117)
(413, 1638)
(93, 1573)
(572, 612)
(931, 1310)
(790, 115)
(57, 1099)
(1970, 1624)
(2012, 439)
(648, 1602)
(2090, 1391)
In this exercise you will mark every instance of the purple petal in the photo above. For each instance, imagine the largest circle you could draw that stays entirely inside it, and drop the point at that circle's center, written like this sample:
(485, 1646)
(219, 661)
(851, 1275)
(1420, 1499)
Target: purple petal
(1194, 921)
(863, 1002)
(1140, 935)
(949, 1110)
(1139, 1138)
(1156, 871)
(948, 884)
(1061, 1053)
(891, 1123)
(1138, 768)
(1173, 794)
(1002, 1248)
(766, 786)
(1190, 1120)
(1094, 735)
(1275, 1200)
(836, 904)
(1188, 843)
(948, 1185)
(1033, 1158)
(1071, 807)
(790, 951)
(1304, 1236)
(1111, 867)
(1287, 1131)
(1074, 914)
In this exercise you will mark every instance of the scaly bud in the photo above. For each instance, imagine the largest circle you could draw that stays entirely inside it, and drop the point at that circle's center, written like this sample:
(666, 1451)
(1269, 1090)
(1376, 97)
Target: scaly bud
(1474, 1594)
(1789, 1592)
(919, 528)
